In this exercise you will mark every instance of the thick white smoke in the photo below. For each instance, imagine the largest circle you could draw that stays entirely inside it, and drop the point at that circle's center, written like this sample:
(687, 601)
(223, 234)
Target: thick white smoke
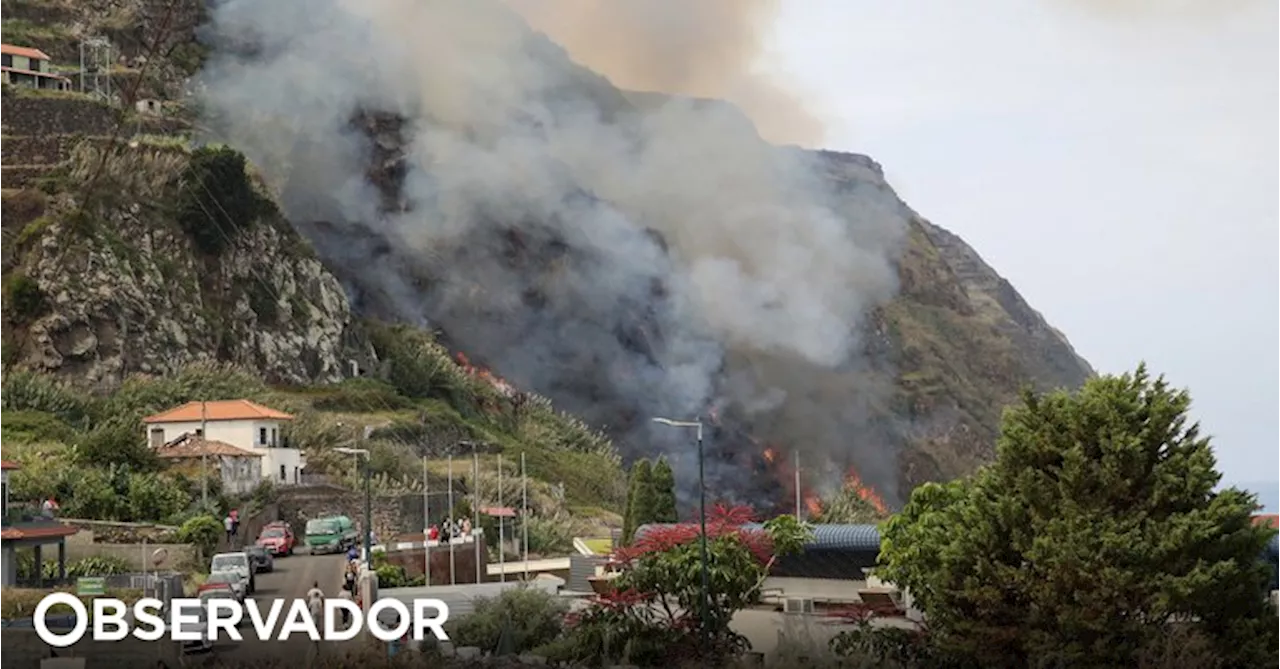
(754, 252)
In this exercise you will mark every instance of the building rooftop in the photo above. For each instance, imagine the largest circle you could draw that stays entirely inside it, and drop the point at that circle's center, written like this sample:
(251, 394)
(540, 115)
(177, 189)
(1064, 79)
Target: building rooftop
(858, 538)
(194, 412)
(9, 464)
(25, 51)
(195, 447)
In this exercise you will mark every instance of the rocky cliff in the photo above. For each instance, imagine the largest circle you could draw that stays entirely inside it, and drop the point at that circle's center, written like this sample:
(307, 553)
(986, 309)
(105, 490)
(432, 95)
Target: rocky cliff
(106, 277)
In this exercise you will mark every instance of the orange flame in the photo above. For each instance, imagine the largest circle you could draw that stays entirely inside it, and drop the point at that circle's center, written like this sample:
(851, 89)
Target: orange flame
(814, 504)
(853, 481)
(483, 374)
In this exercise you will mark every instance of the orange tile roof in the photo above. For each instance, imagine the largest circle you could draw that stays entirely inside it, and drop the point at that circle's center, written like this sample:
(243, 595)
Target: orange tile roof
(195, 447)
(1271, 519)
(217, 410)
(11, 50)
(37, 531)
(9, 464)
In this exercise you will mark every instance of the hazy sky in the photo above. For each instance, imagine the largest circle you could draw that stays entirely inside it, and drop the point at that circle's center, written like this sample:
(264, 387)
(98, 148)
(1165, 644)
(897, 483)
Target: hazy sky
(1118, 166)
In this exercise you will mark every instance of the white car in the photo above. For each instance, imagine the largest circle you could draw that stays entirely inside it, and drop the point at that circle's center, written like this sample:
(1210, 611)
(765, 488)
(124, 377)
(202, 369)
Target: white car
(200, 626)
(239, 562)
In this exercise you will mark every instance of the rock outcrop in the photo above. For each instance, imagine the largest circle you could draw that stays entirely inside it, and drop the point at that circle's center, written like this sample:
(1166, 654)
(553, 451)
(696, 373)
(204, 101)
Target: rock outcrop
(100, 290)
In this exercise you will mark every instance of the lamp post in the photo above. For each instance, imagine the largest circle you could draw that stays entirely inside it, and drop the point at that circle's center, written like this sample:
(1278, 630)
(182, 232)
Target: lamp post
(368, 500)
(702, 521)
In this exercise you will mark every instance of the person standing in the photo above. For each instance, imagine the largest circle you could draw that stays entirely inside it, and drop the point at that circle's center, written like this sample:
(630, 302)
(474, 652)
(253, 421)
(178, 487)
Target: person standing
(230, 524)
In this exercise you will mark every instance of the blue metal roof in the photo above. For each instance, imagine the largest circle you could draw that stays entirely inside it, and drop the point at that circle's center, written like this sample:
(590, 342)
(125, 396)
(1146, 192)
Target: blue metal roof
(851, 538)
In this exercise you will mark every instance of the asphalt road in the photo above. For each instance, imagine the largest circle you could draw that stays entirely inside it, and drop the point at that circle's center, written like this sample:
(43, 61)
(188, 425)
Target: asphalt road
(292, 578)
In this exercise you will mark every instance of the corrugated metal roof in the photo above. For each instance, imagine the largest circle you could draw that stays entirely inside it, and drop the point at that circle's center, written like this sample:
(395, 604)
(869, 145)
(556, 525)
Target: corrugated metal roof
(859, 538)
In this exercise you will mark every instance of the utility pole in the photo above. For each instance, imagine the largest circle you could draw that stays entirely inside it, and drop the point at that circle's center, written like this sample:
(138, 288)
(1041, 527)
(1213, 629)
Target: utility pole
(426, 520)
(524, 514)
(453, 577)
(798, 500)
(204, 456)
(502, 537)
(482, 552)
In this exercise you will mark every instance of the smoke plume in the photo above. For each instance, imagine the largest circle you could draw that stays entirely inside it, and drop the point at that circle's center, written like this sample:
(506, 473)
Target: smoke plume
(628, 260)
(713, 49)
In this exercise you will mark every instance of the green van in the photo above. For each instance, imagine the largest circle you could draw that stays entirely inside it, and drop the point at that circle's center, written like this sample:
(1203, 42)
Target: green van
(332, 534)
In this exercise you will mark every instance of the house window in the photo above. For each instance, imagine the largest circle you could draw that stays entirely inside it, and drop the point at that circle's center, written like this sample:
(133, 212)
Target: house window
(6, 60)
(262, 436)
(35, 64)
(199, 432)
(282, 473)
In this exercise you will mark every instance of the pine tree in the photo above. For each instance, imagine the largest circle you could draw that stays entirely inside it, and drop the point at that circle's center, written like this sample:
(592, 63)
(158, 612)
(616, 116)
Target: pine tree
(664, 487)
(639, 496)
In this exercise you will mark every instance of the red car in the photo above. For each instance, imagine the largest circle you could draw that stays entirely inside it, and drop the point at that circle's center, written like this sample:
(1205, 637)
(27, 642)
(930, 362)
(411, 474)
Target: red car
(277, 538)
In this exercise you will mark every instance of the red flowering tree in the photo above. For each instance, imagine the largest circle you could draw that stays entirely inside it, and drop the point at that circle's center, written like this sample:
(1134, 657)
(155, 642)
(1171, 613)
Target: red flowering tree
(654, 614)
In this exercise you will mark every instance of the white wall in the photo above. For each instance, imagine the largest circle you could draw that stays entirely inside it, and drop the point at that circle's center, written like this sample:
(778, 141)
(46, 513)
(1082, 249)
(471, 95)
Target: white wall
(275, 458)
(241, 433)
(240, 476)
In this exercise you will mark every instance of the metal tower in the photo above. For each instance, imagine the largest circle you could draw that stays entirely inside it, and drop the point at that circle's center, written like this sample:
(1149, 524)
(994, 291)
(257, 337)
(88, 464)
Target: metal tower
(95, 67)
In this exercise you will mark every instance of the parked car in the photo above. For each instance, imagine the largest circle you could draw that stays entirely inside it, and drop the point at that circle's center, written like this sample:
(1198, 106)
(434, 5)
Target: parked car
(239, 562)
(277, 538)
(200, 626)
(226, 581)
(224, 593)
(262, 561)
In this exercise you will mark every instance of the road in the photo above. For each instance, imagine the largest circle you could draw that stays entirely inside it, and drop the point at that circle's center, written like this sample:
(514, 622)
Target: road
(292, 578)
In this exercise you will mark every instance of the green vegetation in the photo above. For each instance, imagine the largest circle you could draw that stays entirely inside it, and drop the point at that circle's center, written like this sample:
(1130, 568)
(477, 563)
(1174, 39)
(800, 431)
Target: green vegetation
(89, 451)
(651, 497)
(218, 198)
(23, 298)
(516, 621)
(1108, 496)
(202, 531)
(96, 565)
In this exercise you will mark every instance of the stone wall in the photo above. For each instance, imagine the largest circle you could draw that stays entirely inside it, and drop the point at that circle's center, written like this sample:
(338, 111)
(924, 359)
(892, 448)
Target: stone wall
(392, 514)
(41, 116)
(37, 149)
(111, 532)
(464, 563)
(138, 555)
(22, 648)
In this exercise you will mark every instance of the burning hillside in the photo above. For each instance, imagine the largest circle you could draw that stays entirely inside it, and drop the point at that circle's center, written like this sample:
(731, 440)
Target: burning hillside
(625, 262)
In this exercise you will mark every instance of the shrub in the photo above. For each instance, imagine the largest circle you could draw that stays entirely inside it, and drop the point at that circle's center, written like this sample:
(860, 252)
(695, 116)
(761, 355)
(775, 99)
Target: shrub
(202, 532)
(532, 618)
(218, 200)
(35, 426)
(361, 395)
(23, 297)
(29, 391)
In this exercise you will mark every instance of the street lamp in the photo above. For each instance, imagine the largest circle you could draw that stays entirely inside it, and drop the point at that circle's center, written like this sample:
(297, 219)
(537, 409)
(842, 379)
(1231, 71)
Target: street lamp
(702, 520)
(368, 501)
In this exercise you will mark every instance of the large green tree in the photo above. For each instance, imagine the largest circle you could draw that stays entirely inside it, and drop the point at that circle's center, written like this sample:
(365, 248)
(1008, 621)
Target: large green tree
(664, 491)
(1094, 538)
(640, 500)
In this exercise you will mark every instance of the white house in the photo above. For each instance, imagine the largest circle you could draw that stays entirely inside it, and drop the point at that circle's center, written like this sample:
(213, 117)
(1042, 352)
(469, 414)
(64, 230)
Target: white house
(239, 468)
(240, 423)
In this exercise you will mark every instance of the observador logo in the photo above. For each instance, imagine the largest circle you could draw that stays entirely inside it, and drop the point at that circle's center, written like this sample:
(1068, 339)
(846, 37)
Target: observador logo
(194, 620)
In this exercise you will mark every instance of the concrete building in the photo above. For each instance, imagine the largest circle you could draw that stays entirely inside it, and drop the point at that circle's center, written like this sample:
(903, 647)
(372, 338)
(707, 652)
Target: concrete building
(239, 469)
(240, 423)
(27, 528)
(24, 66)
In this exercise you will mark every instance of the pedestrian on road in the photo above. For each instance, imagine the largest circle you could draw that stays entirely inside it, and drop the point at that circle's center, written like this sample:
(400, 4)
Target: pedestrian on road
(230, 524)
(315, 600)
(235, 522)
(348, 593)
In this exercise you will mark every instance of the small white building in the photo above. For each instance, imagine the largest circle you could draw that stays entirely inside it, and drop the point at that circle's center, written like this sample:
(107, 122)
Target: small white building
(239, 468)
(240, 423)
